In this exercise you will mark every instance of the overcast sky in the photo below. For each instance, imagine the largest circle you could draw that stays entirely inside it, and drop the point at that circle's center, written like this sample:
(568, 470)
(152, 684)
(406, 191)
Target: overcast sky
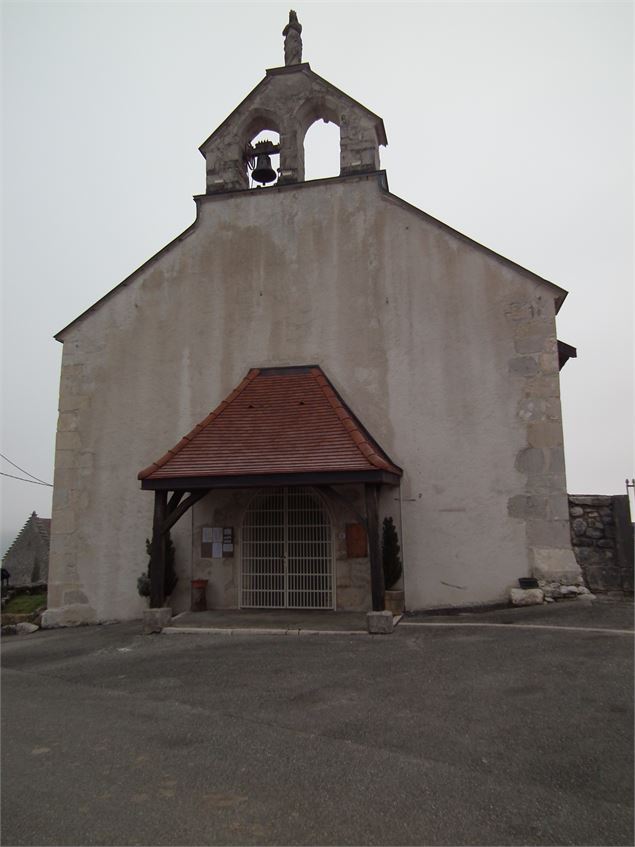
(511, 122)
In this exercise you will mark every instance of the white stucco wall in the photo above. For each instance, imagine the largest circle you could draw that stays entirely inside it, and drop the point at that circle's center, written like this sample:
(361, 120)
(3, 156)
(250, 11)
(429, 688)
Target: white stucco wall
(446, 353)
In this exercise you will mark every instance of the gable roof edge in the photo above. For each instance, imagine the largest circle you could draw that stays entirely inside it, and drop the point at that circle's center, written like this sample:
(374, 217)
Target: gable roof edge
(305, 68)
(560, 294)
(128, 279)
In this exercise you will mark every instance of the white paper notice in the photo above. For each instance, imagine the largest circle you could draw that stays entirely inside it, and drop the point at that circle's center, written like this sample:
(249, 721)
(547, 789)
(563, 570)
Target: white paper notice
(207, 535)
(217, 533)
(217, 550)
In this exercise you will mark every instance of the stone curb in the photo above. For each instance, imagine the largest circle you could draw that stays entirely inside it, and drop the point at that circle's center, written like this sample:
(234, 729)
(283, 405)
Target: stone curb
(217, 630)
(181, 630)
(550, 627)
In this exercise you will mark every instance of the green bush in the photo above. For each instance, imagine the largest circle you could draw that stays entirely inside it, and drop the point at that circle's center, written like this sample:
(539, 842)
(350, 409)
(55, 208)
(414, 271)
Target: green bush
(170, 579)
(390, 550)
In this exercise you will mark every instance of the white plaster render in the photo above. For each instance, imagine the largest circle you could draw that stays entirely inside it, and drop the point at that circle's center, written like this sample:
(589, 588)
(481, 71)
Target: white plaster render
(419, 329)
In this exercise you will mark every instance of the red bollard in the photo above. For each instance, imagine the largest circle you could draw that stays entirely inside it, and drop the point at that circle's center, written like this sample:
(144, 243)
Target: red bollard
(199, 595)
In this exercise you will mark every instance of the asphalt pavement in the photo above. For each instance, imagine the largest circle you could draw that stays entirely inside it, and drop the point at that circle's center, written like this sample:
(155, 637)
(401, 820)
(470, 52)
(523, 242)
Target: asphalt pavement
(457, 733)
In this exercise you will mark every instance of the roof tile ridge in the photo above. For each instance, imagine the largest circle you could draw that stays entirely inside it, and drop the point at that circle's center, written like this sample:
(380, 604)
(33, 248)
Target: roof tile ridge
(349, 422)
(155, 466)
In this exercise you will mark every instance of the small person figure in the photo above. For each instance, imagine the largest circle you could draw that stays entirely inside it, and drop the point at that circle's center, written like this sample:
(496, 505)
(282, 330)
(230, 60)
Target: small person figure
(292, 40)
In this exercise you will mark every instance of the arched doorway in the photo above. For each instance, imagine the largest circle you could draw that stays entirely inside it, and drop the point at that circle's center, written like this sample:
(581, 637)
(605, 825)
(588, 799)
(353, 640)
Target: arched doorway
(287, 551)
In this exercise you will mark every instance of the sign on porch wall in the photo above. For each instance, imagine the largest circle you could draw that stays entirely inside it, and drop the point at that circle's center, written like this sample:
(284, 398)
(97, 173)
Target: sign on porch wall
(356, 541)
(217, 542)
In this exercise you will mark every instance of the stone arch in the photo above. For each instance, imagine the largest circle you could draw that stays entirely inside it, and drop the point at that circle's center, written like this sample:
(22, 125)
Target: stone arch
(320, 107)
(287, 550)
(255, 122)
(258, 120)
(322, 147)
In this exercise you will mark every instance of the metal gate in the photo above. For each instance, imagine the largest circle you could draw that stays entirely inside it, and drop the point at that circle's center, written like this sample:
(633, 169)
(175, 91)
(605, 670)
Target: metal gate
(287, 557)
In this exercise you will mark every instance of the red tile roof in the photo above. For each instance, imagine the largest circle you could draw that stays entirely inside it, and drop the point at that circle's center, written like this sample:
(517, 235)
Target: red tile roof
(277, 421)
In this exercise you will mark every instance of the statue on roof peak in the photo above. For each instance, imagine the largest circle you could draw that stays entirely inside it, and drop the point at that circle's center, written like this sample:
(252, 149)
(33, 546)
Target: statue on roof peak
(292, 40)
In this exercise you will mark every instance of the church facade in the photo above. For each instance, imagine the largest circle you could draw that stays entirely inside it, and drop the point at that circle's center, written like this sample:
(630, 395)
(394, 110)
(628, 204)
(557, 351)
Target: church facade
(306, 359)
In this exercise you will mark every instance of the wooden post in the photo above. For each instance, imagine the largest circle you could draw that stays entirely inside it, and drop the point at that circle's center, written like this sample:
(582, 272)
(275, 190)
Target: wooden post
(157, 554)
(378, 590)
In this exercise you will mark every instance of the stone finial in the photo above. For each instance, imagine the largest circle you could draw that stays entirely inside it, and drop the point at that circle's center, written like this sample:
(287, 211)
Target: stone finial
(292, 40)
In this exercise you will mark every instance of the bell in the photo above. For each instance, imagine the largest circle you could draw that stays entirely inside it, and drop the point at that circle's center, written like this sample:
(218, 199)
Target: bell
(263, 172)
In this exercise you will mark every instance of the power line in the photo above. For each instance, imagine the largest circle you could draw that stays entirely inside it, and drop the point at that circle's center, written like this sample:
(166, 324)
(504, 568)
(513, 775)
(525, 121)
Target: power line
(36, 478)
(22, 479)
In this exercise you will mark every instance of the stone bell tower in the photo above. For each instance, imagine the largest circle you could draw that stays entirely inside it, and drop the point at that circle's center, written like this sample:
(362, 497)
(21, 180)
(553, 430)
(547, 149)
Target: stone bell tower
(288, 101)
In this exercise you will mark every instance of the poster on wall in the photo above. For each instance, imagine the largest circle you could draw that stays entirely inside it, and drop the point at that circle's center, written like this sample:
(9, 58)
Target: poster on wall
(217, 542)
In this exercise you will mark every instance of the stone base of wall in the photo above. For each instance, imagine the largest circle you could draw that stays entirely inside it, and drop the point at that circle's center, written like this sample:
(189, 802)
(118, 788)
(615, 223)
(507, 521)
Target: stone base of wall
(77, 614)
(602, 540)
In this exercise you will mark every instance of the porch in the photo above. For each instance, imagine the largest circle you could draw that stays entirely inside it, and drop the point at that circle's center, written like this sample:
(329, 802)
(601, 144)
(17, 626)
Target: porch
(270, 622)
(274, 476)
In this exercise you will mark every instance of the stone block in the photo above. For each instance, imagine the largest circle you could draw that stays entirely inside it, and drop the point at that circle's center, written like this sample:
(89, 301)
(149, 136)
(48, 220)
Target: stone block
(526, 596)
(534, 328)
(25, 628)
(532, 409)
(578, 526)
(74, 596)
(546, 385)
(579, 541)
(67, 440)
(72, 615)
(590, 500)
(530, 344)
(548, 363)
(558, 507)
(67, 422)
(576, 511)
(557, 565)
(155, 620)
(544, 434)
(548, 533)
(379, 623)
(66, 460)
(520, 312)
(530, 460)
(64, 522)
(524, 366)
(553, 409)
(527, 506)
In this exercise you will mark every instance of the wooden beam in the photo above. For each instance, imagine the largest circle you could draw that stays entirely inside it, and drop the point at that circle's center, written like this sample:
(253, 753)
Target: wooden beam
(378, 589)
(194, 483)
(157, 551)
(332, 492)
(174, 500)
(179, 511)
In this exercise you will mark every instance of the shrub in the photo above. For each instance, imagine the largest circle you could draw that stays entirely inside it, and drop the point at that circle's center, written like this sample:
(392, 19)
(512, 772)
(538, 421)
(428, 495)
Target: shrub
(170, 579)
(390, 550)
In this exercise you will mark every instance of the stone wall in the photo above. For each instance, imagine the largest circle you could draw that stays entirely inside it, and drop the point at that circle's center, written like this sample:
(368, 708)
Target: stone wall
(602, 540)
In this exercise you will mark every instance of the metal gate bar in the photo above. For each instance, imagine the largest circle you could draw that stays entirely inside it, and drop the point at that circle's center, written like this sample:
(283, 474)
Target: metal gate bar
(287, 551)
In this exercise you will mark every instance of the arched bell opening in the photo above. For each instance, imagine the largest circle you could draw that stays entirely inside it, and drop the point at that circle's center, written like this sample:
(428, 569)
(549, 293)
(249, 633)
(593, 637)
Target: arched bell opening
(263, 159)
(322, 150)
(317, 122)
